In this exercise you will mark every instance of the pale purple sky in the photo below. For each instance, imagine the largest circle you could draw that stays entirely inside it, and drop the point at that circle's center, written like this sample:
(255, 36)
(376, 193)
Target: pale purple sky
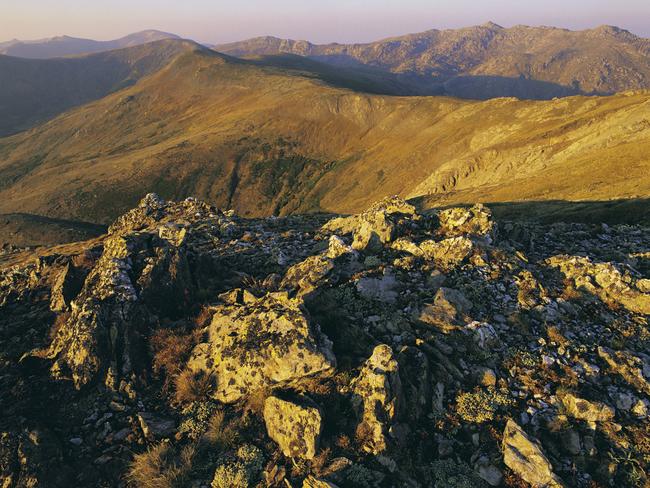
(324, 21)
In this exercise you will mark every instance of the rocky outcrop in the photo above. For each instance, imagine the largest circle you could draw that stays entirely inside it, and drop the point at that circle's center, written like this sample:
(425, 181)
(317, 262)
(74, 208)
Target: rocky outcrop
(605, 281)
(241, 352)
(139, 272)
(295, 424)
(377, 398)
(524, 456)
(380, 224)
(267, 343)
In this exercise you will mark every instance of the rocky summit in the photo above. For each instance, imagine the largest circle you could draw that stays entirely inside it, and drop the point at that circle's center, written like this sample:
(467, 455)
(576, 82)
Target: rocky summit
(190, 347)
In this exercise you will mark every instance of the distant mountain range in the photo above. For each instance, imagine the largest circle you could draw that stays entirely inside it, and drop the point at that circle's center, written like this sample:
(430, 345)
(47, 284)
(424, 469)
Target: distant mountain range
(67, 46)
(266, 138)
(487, 61)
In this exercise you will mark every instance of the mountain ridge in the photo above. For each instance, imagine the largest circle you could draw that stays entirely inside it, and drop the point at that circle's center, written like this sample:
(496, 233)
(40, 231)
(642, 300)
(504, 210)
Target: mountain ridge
(60, 46)
(488, 61)
(36, 89)
(266, 140)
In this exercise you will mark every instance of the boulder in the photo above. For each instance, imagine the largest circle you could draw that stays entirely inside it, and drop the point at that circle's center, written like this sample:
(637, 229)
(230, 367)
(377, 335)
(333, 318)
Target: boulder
(524, 456)
(448, 310)
(377, 399)
(307, 276)
(475, 221)
(295, 424)
(269, 342)
(581, 409)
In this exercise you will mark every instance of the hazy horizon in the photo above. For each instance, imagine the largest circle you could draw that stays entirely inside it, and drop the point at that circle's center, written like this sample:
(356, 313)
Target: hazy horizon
(351, 21)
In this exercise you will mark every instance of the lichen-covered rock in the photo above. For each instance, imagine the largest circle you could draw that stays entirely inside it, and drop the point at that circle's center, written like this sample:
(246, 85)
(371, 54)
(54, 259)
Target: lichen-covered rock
(311, 482)
(109, 314)
(634, 370)
(524, 456)
(605, 281)
(582, 409)
(475, 221)
(295, 424)
(377, 398)
(447, 253)
(380, 224)
(267, 343)
(307, 276)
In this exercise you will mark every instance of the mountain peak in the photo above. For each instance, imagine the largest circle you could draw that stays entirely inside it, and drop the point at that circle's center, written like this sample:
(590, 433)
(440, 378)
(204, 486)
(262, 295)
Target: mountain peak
(491, 25)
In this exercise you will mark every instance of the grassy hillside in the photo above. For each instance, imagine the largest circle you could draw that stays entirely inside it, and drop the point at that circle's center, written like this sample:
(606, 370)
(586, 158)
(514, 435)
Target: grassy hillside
(266, 140)
(32, 90)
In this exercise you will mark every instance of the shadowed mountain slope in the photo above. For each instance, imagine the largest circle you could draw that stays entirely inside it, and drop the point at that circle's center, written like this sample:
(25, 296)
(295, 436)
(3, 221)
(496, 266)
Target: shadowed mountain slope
(489, 61)
(32, 90)
(66, 46)
(264, 140)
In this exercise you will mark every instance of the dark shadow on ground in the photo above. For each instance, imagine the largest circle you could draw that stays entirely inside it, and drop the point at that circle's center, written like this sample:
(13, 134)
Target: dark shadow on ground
(346, 72)
(28, 230)
(623, 211)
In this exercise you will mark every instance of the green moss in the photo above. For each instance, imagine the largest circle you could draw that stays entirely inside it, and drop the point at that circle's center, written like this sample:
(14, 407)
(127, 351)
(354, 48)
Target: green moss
(447, 473)
(481, 405)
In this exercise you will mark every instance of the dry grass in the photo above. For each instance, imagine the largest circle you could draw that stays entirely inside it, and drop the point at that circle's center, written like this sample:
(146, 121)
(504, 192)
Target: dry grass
(255, 402)
(192, 386)
(59, 322)
(162, 467)
(220, 434)
(171, 349)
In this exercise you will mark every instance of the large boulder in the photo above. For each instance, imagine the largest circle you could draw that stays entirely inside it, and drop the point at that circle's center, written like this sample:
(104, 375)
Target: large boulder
(377, 399)
(524, 456)
(265, 343)
(307, 276)
(380, 224)
(295, 424)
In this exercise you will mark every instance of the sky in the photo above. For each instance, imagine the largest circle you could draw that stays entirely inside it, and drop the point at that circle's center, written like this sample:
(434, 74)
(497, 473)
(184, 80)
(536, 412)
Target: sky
(216, 21)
